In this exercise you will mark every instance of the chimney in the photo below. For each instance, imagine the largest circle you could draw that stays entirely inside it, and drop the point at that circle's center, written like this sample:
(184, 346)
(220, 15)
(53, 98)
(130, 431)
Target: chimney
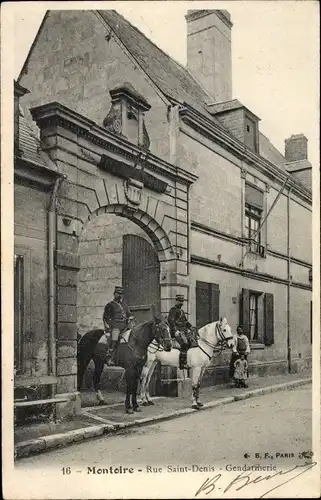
(209, 57)
(297, 163)
(19, 91)
(296, 148)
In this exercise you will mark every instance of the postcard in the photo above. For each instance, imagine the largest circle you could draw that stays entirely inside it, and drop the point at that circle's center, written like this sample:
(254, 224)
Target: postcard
(160, 250)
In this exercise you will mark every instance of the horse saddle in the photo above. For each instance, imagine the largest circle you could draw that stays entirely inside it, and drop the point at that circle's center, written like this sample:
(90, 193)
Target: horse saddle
(124, 337)
(191, 337)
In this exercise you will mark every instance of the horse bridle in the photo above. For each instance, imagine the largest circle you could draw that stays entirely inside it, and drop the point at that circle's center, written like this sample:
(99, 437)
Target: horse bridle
(222, 342)
(160, 346)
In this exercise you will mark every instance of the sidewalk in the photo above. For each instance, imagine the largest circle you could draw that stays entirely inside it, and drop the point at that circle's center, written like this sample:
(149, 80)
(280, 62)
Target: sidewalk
(97, 420)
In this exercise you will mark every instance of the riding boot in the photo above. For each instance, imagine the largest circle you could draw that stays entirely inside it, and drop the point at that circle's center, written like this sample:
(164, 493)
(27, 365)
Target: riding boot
(112, 351)
(182, 359)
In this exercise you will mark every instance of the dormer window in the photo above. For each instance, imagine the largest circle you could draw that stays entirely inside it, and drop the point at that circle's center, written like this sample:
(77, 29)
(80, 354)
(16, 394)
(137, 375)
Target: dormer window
(251, 133)
(239, 120)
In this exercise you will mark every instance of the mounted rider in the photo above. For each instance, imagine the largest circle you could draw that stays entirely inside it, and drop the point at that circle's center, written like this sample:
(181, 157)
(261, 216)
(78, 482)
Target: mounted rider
(117, 318)
(180, 329)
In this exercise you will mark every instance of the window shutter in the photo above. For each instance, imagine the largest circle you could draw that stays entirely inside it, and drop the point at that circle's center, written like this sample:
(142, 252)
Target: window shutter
(269, 319)
(245, 311)
(202, 304)
(254, 196)
(215, 302)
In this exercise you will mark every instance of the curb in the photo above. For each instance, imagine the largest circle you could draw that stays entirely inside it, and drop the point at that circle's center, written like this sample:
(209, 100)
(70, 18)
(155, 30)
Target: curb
(46, 443)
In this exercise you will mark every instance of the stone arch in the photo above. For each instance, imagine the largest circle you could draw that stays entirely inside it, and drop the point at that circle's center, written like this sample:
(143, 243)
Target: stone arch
(152, 228)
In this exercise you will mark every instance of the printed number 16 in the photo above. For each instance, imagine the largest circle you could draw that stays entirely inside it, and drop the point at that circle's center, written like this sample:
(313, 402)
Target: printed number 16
(66, 470)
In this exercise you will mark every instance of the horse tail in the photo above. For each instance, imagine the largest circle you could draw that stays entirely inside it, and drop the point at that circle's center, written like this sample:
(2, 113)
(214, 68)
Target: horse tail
(85, 351)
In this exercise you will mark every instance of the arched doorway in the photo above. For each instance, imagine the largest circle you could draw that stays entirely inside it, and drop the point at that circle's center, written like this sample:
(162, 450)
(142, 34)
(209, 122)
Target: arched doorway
(114, 250)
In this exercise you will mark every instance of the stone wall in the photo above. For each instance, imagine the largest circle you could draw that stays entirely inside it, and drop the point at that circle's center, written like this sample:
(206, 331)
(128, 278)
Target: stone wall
(30, 232)
(75, 64)
(217, 226)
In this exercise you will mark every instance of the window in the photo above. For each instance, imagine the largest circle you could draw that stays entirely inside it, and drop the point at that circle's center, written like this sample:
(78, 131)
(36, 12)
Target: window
(252, 224)
(251, 134)
(253, 319)
(257, 316)
(253, 218)
(207, 303)
(18, 311)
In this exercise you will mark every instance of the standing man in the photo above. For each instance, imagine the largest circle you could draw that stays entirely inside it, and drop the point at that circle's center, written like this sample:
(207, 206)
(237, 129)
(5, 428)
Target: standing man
(180, 328)
(116, 318)
(241, 346)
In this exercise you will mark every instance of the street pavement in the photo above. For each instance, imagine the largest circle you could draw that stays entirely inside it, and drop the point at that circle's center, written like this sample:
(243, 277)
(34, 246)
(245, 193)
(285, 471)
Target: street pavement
(276, 423)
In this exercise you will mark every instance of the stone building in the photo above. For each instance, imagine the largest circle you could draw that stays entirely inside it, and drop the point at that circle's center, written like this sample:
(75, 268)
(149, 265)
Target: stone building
(166, 186)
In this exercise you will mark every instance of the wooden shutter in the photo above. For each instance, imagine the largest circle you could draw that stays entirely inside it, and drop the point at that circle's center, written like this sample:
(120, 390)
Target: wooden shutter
(245, 311)
(202, 304)
(207, 303)
(214, 302)
(254, 196)
(269, 319)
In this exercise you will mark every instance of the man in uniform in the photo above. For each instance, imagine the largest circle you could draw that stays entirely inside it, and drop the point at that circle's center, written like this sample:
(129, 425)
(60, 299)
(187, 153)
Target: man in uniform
(116, 318)
(180, 328)
(241, 346)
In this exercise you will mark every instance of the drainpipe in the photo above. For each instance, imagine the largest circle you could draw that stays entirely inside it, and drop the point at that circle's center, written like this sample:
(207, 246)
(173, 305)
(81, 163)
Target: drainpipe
(51, 281)
(289, 284)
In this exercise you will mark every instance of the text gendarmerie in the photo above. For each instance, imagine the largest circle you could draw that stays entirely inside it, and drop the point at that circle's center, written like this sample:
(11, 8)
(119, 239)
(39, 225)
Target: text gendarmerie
(110, 470)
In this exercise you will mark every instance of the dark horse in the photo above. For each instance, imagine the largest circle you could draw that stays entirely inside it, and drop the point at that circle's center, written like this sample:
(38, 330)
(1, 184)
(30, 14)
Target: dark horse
(131, 356)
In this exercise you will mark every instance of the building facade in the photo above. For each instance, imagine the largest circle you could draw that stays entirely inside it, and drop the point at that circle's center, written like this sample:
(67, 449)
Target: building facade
(166, 186)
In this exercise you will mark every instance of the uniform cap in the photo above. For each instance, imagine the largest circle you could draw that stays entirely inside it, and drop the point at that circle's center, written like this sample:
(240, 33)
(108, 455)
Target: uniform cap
(119, 289)
(180, 297)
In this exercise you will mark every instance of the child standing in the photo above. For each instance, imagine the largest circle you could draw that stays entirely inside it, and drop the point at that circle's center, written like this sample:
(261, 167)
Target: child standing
(240, 371)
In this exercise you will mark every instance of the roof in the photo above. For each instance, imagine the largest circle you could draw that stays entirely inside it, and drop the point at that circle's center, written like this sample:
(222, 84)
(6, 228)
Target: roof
(225, 106)
(270, 152)
(172, 79)
(29, 146)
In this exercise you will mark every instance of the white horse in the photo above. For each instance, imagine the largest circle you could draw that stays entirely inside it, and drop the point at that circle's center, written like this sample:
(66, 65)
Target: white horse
(210, 336)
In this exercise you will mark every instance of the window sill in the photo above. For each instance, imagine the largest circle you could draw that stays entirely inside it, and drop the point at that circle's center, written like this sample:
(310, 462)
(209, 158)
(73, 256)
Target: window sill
(256, 345)
(258, 254)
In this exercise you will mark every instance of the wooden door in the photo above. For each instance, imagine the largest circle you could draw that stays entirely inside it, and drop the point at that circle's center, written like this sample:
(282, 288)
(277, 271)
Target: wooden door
(140, 277)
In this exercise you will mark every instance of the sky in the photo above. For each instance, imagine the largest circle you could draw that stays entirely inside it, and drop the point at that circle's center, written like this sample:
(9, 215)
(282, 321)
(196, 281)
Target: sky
(275, 53)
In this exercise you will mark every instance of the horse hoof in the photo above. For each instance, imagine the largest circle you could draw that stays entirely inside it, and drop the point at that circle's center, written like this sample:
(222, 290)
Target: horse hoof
(101, 402)
(199, 404)
(145, 403)
(129, 411)
(150, 403)
(195, 407)
(137, 409)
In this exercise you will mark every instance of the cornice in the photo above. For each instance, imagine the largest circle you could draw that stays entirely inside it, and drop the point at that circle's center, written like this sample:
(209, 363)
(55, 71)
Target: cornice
(238, 240)
(210, 130)
(31, 172)
(247, 273)
(55, 114)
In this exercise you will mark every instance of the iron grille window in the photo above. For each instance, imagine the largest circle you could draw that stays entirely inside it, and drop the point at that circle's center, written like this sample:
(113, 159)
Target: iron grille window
(18, 311)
